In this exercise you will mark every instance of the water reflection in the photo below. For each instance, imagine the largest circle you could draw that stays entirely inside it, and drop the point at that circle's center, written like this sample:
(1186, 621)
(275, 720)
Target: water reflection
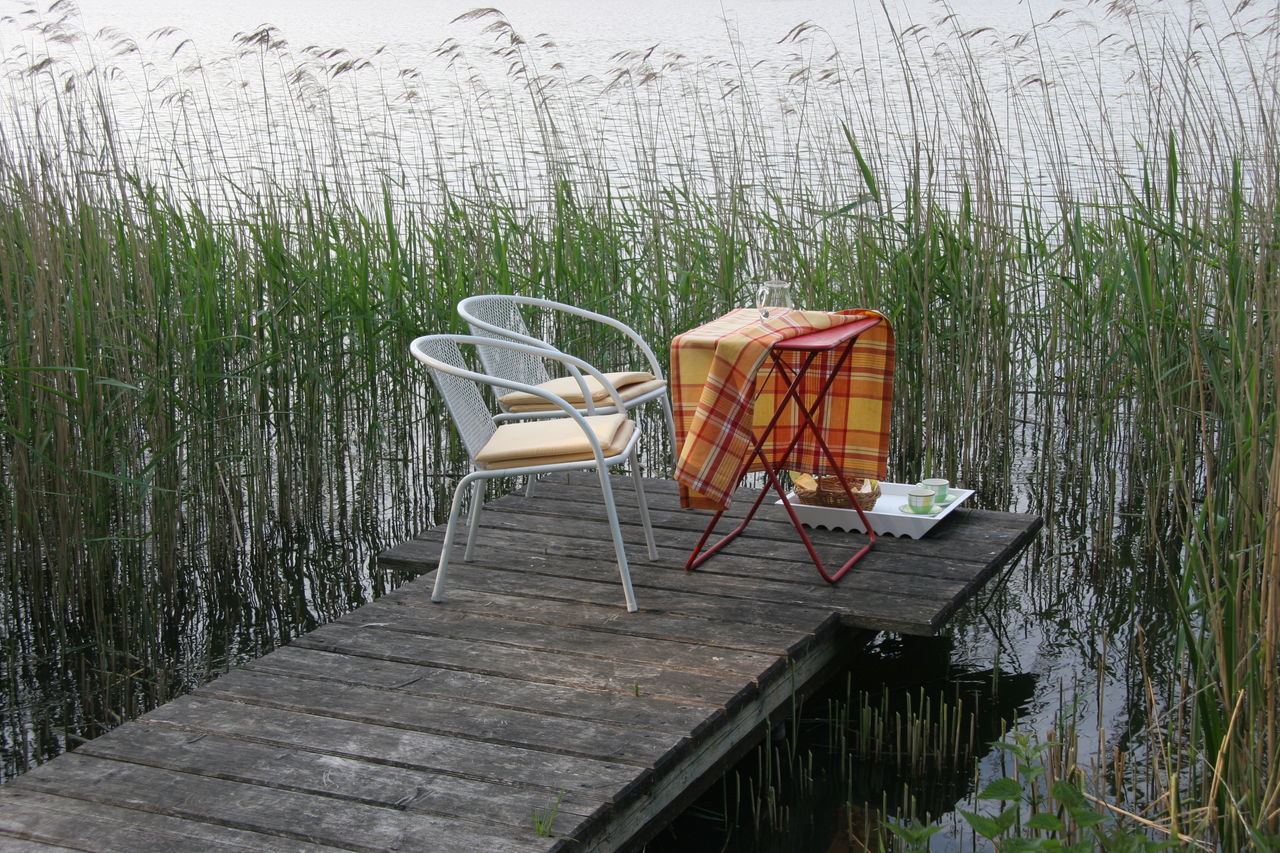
(893, 735)
(293, 100)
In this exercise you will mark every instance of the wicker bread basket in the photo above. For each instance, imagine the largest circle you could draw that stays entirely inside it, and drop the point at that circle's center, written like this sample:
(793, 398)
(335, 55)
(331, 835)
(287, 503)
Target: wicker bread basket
(827, 491)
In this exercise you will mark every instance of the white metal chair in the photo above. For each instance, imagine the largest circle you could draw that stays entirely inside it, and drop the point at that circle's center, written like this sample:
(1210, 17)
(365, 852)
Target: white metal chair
(575, 441)
(499, 316)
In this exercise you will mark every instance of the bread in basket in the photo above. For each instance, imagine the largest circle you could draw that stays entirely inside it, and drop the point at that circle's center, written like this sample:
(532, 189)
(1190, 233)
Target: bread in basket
(827, 491)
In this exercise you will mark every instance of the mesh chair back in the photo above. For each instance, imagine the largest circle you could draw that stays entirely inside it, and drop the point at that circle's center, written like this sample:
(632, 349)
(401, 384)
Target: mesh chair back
(462, 396)
(505, 363)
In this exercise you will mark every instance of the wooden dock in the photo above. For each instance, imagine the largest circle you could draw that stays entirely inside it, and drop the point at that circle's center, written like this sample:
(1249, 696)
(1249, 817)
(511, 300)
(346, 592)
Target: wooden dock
(411, 726)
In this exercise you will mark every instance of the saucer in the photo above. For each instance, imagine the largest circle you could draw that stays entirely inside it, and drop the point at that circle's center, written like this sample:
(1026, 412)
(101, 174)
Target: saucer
(933, 510)
(950, 498)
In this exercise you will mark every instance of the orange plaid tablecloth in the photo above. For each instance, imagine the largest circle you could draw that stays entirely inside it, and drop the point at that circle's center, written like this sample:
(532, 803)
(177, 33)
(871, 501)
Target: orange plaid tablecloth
(718, 411)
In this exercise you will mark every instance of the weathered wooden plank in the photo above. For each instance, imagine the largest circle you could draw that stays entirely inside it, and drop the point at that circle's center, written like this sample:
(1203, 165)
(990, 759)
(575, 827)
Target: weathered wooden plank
(559, 580)
(550, 667)
(580, 499)
(877, 574)
(954, 537)
(564, 735)
(470, 759)
(910, 605)
(658, 490)
(769, 564)
(967, 538)
(957, 539)
(644, 712)
(570, 499)
(938, 555)
(50, 822)
(653, 623)
(272, 811)
(774, 569)
(496, 628)
(665, 511)
(9, 844)
(778, 570)
(353, 779)
(25, 845)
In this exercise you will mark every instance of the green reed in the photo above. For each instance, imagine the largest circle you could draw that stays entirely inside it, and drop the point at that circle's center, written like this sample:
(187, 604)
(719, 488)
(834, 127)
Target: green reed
(894, 739)
(208, 408)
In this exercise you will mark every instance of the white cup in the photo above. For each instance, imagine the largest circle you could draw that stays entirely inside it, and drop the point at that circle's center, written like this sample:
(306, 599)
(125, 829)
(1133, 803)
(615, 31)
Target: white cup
(920, 500)
(939, 487)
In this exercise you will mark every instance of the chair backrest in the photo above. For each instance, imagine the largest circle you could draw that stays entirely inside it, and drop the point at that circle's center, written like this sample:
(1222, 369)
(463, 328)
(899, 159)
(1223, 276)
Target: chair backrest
(498, 315)
(459, 385)
(462, 396)
(486, 315)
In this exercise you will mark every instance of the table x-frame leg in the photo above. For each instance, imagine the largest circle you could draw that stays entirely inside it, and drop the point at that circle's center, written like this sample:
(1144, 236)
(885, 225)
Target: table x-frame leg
(807, 421)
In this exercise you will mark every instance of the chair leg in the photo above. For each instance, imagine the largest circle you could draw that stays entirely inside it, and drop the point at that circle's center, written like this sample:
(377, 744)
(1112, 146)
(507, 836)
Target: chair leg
(437, 591)
(616, 529)
(528, 485)
(671, 426)
(473, 523)
(644, 509)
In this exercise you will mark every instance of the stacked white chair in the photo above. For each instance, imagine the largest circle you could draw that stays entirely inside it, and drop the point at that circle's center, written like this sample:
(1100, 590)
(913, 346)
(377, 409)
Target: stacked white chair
(499, 316)
(584, 438)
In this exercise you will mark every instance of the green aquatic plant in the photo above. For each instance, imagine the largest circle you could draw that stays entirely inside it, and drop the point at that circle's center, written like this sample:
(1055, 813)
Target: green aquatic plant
(544, 819)
(1038, 813)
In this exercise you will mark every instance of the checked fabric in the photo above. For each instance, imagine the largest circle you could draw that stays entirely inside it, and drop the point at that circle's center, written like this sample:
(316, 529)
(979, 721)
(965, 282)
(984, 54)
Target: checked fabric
(724, 387)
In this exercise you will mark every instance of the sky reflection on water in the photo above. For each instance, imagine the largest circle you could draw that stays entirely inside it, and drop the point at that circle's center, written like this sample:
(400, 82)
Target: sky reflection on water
(404, 92)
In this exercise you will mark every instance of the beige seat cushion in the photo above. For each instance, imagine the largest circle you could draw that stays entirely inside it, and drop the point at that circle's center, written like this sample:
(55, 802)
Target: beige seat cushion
(630, 384)
(547, 442)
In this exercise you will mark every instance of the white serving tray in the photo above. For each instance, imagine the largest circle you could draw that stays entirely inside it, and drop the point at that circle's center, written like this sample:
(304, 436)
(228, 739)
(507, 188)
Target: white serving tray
(886, 518)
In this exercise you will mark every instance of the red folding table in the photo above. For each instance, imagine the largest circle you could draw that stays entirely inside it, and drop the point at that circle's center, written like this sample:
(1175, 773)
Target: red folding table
(807, 348)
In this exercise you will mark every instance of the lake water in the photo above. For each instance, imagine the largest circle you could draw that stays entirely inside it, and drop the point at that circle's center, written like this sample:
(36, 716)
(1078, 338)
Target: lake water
(588, 33)
(430, 94)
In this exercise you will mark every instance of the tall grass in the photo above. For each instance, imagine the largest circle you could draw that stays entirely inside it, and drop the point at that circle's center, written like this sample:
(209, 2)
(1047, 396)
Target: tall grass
(210, 267)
